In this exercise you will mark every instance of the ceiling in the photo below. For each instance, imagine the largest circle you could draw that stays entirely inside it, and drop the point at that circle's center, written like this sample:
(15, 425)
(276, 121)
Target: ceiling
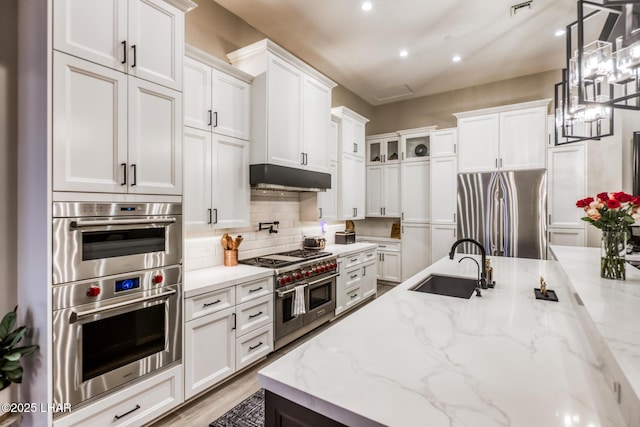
(360, 50)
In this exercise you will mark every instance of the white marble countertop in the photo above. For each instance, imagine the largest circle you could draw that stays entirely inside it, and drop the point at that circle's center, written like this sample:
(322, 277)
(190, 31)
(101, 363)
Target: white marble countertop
(197, 282)
(416, 359)
(346, 250)
(613, 314)
(377, 239)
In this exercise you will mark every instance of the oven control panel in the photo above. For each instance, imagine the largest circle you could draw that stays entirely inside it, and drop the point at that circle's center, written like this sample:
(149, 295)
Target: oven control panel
(312, 270)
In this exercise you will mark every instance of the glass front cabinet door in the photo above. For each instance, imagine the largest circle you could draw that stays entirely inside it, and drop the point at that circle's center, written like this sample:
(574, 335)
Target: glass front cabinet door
(416, 146)
(383, 148)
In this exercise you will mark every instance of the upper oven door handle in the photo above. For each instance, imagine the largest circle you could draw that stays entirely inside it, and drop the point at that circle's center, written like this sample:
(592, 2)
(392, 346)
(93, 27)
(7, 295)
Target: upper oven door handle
(79, 315)
(79, 223)
(324, 279)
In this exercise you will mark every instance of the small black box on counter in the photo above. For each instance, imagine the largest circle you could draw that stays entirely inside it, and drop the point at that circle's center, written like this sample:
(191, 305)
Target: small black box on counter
(345, 237)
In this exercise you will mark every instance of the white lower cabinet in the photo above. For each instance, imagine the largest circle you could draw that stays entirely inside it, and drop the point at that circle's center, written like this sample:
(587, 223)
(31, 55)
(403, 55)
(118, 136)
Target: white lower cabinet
(443, 236)
(389, 266)
(357, 279)
(221, 339)
(135, 405)
(416, 248)
(567, 236)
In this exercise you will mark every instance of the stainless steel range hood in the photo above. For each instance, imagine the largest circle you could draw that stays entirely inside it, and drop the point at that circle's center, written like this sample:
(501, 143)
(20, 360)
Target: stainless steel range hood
(282, 178)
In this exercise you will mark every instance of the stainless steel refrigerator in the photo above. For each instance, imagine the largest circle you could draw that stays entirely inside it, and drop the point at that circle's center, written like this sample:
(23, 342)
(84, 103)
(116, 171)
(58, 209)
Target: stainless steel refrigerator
(505, 211)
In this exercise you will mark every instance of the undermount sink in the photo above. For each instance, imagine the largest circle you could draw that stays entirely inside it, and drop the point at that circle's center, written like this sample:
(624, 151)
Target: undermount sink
(446, 285)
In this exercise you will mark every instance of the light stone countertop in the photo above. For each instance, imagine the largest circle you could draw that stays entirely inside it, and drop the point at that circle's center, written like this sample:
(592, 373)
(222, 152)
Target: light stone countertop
(612, 316)
(198, 282)
(415, 359)
(346, 250)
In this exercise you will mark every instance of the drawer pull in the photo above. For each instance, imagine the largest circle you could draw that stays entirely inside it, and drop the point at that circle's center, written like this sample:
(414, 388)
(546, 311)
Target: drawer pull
(354, 296)
(354, 276)
(354, 260)
(251, 316)
(370, 255)
(255, 290)
(117, 417)
(208, 304)
(255, 346)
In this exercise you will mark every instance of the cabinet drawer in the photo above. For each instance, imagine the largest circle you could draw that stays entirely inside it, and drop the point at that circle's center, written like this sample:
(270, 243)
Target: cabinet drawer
(389, 247)
(352, 277)
(353, 297)
(254, 346)
(133, 405)
(254, 314)
(202, 305)
(369, 255)
(351, 261)
(251, 290)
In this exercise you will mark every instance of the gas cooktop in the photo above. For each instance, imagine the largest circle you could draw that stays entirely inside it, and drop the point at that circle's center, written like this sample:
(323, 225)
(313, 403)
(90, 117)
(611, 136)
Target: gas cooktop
(282, 259)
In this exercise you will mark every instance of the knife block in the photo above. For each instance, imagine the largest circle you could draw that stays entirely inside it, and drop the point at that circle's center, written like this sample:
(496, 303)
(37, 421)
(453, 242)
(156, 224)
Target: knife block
(230, 257)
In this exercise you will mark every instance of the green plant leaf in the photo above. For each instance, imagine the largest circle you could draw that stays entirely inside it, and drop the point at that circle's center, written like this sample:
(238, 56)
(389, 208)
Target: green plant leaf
(25, 350)
(13, 338)
(4, 383)
(12, 357)
(10, 366)
(15, 375)
(7, 323)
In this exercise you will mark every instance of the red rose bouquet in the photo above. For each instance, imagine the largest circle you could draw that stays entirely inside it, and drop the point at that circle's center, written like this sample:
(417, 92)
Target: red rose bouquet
(612, 213)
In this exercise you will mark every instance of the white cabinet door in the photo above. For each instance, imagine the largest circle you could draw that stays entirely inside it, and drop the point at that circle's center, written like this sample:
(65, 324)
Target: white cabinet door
(443, 142)
(442, 238)
(316, 123)
(230, 104)
(352, 187)
(197, 179)
(328, 200)
(155, 138)
(284, 110)
(359, 137)
(209, 355)
(93, 30)
(443, 190)
(391, 266)
(353, 136)
(334, 140)
(391, 190)
(523, 139)
(197, 94)
(375, 189)
(478, 143)
(230, 174)
(566, 184)
(369, 280)
(89, 127)
(156, 42)
(567, 236)
(415, 197)
(416, 248)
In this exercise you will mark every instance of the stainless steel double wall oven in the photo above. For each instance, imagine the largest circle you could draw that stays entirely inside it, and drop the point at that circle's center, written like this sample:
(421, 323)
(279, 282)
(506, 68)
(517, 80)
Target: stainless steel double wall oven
(117, 295)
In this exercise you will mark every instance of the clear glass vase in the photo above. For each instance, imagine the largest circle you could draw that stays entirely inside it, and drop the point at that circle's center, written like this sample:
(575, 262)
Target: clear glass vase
(612, 254)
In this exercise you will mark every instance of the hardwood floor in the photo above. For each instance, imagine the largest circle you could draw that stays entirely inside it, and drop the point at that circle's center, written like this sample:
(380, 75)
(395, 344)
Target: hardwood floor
(214, 403)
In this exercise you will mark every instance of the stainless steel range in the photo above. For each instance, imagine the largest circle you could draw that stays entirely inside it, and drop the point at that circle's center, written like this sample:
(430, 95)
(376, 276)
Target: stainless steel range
(313, 271)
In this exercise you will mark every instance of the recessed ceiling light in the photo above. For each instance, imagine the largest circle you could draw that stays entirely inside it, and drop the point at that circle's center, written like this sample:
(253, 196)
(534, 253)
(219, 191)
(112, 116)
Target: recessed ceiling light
(560, 32)
(404, 53)
(456, 58)
(366, 5)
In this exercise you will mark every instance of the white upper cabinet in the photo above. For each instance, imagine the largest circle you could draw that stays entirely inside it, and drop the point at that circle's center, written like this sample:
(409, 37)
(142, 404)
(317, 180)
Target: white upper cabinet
(291, 108)
(415, 194)
(566, 184)
(444, 142)
(383, 191)
(512, 137)
(443, 190)
(316, 123)
(155, 139)
(113, 133)
(478, 139)
(217, 97)
(415, 144)
(384, 148)
(523, 138)
(353, 135)
(197, 179)
(144, 38)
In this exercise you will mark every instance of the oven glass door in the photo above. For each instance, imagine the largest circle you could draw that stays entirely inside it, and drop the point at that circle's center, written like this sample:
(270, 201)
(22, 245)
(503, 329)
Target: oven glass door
(285, 322)
(116, 341)
(320, 295)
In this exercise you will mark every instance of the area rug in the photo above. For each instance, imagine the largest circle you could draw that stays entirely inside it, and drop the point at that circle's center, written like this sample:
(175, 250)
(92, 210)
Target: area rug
(248, 413)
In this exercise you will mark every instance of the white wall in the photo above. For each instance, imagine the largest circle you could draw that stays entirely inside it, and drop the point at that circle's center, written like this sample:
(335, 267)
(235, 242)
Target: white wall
(203, 249)
(8, 162)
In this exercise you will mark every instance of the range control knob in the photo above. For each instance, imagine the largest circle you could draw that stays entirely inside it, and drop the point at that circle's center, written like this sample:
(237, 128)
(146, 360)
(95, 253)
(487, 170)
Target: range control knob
(283, 280)
(93, 291)
(307, 273)
(157, 279)
(298, 276)
(318, 269)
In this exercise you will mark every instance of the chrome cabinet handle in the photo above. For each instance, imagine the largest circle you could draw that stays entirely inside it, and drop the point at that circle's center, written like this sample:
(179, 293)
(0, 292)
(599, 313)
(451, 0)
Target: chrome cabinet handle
(79, 223)
(209, 304)
(76, 316)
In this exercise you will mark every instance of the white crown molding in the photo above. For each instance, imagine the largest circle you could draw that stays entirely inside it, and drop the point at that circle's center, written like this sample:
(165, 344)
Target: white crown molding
(344, 111)
(217, 63)
(503, 108)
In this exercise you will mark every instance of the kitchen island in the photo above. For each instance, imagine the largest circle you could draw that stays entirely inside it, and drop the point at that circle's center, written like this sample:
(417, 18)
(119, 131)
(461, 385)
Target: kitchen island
(417, 359)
